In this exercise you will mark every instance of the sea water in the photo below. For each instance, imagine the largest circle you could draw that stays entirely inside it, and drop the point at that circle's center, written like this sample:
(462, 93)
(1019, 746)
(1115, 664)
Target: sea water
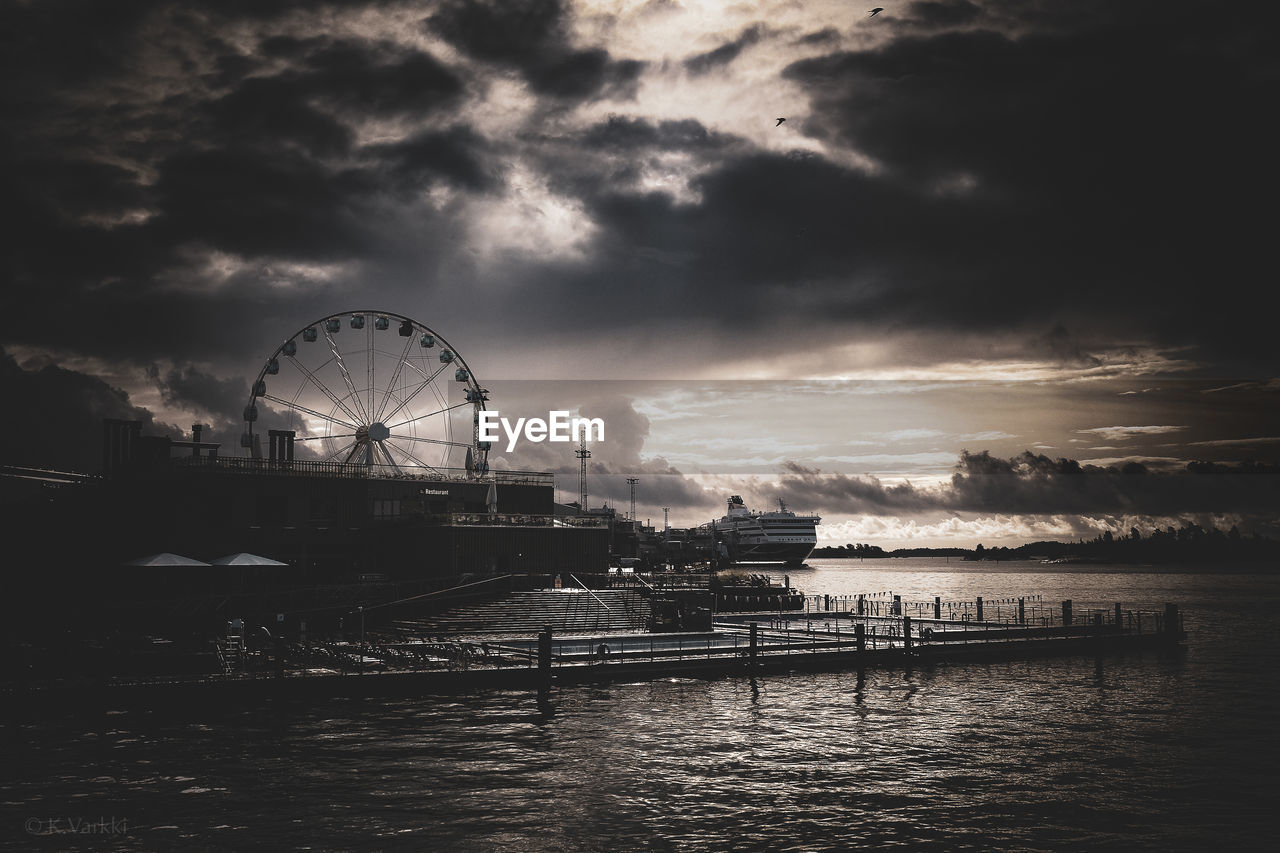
(1133, 751)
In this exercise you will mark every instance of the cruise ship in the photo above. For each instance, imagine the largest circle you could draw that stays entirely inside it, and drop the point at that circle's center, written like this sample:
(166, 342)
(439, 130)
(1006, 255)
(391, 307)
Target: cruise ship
(779, 536)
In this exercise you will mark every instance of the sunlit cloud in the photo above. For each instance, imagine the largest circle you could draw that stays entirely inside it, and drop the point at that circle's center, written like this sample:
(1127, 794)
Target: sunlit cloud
(1115, 433)
(1232, 442)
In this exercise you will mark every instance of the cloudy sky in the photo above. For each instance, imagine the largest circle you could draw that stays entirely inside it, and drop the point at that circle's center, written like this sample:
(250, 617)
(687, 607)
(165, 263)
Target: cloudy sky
(1001, 274)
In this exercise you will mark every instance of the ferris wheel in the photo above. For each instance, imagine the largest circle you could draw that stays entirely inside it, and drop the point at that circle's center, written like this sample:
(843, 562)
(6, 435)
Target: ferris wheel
(370, 388)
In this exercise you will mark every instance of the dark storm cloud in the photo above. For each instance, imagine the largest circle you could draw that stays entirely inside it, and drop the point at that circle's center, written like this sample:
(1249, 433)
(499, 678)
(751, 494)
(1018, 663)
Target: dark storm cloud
(1068, 176)
(216, 402)
(1040, 168)
(287, 206)
(826, 35)
(73, 190)
(843, 493)
(267, 186)
(65, 409)
(263, 168)
(65, 43)
(1067, 189)
(637, 136)
(1035, 484)
(379, 78)
(790, 240)
(190, 387)
(453, 155)
(948, 13)
(272, 112)
(725, 53)
(531, 36)
(1065, 348)
(1109, 154)
(330, 83)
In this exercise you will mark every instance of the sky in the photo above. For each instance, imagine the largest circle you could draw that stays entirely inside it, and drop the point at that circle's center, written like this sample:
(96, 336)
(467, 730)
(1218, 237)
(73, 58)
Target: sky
(1002, 274)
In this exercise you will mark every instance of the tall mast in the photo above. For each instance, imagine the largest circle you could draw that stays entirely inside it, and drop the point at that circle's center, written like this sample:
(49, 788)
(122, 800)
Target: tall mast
(583, 455)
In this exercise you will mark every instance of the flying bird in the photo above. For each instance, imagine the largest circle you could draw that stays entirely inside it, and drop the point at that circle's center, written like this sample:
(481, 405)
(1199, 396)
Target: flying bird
(876, 11)
(780, 121)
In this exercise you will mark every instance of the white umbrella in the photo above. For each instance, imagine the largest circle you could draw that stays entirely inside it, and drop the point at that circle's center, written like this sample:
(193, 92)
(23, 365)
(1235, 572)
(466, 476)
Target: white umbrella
(243, 559)
(165, 559)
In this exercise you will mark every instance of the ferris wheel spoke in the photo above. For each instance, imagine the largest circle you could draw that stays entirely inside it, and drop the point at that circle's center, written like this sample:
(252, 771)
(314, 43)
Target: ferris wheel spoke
(324, 389)
(346, 375)
(429, 414)
(414, 458)
(422, 372)
(323, 437)
(391, 460)
(301, 408)
(357, 448)
(333, 457)
(395, 376)
(430, 440)
(416, 391)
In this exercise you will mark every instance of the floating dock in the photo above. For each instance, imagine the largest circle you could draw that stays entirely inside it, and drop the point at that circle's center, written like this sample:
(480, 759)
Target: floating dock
(859, 636)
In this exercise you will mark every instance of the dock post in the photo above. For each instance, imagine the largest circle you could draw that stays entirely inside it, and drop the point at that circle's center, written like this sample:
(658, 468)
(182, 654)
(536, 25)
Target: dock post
(361, 609)
(1172, 623)
(827, 602)
(1022, 611)
(937, 607)
(751, 649)
(979, 608)
(544, 658)
(897, 605)
(860, 635)
(1119, 620)
(906, 634)
(1066, 612)
(862, 605)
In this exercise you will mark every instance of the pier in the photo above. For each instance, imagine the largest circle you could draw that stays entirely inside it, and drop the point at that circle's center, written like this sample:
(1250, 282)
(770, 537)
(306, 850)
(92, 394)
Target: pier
(832, 633)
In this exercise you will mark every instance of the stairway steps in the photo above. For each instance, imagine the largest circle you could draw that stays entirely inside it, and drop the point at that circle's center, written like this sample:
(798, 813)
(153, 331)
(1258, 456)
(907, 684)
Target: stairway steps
(529, 612)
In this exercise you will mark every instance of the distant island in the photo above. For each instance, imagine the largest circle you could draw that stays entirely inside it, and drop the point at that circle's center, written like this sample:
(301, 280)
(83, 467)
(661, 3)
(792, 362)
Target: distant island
(1188, 544)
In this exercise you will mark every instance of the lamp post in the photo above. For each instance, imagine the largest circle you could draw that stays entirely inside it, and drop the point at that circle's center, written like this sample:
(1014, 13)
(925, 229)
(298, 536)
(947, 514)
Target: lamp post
(360, 609)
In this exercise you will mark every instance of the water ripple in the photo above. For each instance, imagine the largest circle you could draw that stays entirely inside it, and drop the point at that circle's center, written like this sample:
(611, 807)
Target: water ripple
(1130, 752)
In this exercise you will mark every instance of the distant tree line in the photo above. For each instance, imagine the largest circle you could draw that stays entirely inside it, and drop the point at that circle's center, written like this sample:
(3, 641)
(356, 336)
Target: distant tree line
(850, 550)
(1190, 543)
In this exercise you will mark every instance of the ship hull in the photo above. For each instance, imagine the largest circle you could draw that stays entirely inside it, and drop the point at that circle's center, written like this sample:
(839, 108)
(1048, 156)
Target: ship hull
(771, 553)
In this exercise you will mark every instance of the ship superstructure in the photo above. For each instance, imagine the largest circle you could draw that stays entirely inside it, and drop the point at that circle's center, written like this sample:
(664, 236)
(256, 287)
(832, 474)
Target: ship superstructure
(777, 536)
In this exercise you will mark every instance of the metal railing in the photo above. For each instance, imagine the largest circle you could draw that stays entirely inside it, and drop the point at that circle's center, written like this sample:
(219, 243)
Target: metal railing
(1027, 610)
(315, 468)
(516, 519)
(810, 635)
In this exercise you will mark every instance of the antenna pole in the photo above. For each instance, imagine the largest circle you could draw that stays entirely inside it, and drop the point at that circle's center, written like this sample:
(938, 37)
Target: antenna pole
(583, 455)
(632, 482)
